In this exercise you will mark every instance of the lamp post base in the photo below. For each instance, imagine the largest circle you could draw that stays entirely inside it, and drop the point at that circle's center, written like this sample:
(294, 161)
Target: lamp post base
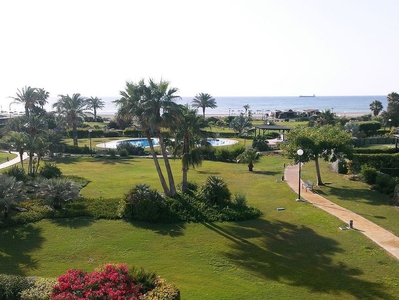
(300, 200)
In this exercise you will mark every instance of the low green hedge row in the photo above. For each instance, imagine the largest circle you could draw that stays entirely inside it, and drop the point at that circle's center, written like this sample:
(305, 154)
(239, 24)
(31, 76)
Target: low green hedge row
(378, 161)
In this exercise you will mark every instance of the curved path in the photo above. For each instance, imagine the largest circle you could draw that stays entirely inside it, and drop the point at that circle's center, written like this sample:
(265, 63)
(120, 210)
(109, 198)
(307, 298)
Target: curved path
(379, 235)
(13, 161)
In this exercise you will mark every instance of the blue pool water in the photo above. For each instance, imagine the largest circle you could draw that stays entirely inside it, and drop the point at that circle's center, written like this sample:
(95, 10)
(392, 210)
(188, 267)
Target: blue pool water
(144, 143)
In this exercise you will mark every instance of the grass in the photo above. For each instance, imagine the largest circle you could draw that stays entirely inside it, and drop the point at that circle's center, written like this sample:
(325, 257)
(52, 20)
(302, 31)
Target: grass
(4, 155)
(355, 196)
(295, 253)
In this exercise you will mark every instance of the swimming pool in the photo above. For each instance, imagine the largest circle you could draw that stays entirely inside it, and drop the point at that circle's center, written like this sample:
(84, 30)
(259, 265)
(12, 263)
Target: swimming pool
(142, 142)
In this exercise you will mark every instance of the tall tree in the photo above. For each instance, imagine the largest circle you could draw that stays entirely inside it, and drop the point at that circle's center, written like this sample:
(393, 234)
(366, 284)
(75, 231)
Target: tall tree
(241, 122)
(188, 136)
(42, 96)
(95, 103)
(376, 107)
(72, 109)
(392, 112)
(28, 96)
(151, 105)
(203, 100)
(326, 142)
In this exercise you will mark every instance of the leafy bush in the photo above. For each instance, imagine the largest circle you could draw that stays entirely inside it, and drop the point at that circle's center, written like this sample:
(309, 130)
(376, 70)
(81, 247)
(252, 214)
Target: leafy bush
(57, 191)
(108, 282)
(162, 291)
(215, 191)
(143, 203)
(129, 148)
(228, 154)
(369, 174)
(50, 171)
(40, 289)
(240, 199)
(123, 153)
(260, 143)
(385, 183)
(11, 286)
(18, 173)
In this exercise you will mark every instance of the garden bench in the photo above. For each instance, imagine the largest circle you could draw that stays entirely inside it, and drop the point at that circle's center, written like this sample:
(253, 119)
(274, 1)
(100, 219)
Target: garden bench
(308, 185)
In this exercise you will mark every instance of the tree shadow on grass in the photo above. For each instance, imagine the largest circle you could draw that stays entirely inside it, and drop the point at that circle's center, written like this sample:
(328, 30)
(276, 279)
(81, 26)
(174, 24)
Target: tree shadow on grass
(268, 173)
(172, 230)
(75, 223)
(15, 247)
(296, 256)
(346, 193)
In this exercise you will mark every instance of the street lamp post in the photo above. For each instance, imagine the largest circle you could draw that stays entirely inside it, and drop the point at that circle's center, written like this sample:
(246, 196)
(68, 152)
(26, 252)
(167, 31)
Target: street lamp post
(90, 130)
(300, 153)
(390, 126)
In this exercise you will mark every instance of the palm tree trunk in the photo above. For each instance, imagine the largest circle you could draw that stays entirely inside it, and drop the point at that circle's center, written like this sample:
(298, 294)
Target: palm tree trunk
(184, 183)
(172, 187)
(157, 166)
(21, 156)
(318, 175)
(75, 134)
(203, 112)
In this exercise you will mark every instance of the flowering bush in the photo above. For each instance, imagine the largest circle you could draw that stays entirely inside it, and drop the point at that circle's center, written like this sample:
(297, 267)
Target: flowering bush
(108, 282)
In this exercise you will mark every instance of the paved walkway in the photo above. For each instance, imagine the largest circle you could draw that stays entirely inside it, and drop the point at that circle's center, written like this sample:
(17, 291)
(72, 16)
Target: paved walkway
(379, 235)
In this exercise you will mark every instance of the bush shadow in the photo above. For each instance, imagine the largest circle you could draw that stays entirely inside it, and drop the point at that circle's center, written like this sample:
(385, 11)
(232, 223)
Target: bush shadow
(296, 256)
(172, 230)
(74, 223)
(15, 247)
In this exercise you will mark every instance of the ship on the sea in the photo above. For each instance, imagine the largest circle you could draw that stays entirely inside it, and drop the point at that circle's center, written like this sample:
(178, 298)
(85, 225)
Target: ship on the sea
(307, 95)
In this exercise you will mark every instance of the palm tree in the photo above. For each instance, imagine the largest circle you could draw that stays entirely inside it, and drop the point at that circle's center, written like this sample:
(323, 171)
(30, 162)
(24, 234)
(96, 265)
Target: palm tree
(27, 96)
(72, 109)
(326, 117)
(249, 156)
(11, 190)
(241, 122)
(151, 105)
(95, 103)
(203, 100)
(376, 107)
(246, 107)
(42, 95)
(188, 136)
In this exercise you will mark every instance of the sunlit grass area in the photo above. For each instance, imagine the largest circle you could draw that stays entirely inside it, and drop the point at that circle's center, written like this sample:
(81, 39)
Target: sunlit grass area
(295, 253)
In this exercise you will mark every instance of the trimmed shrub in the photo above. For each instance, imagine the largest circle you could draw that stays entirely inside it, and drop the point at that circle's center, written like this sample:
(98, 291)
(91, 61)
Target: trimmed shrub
(162, 291)
(40, 289)
(368, 174)
(240, 199)
(11, 286)
(129, 148)
(385, 183)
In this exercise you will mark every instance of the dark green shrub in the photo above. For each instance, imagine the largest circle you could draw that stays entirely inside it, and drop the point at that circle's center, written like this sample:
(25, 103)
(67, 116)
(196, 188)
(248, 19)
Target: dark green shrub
(145, 279)
(130, 149)
(215, 191)
(11, 286)
(223, 154)
(123, 153)
(368, 174)
(143, 203)
(18, 173)
(385, 183)
(50, 171)
(240, 200)
(41, 289)
(260, 143)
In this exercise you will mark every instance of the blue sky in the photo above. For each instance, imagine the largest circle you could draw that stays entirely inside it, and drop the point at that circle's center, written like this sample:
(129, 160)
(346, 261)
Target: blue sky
(225, 48)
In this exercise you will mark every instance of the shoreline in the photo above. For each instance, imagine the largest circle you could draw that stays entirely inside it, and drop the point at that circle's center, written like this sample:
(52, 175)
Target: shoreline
(255, 116)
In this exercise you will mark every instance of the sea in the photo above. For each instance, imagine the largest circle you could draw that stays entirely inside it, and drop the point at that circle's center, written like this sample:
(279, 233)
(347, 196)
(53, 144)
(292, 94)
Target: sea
(340, 105)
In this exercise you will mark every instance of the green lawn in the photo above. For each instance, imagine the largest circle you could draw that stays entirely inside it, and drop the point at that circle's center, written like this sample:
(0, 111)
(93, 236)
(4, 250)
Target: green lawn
(4, 155)
(294, 253)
